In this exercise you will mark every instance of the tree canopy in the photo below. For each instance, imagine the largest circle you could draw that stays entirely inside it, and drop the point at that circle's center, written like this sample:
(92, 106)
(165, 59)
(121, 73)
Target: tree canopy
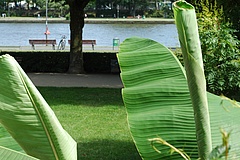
(230, 9)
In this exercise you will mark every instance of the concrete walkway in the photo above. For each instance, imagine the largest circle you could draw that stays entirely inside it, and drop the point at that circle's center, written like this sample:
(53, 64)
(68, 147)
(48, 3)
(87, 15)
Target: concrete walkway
(76, 80)
(89, 20)
(99, 49)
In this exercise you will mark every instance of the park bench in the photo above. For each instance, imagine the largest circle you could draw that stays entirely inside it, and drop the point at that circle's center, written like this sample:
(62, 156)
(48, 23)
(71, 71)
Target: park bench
(90, 42)
(33, 42)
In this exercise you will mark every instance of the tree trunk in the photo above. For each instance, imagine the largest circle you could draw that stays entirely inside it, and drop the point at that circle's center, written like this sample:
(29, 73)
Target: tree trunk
(76, 28)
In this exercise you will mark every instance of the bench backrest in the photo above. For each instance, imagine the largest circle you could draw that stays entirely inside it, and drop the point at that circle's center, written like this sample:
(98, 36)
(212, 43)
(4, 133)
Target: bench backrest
(42, 41)
(93, 42)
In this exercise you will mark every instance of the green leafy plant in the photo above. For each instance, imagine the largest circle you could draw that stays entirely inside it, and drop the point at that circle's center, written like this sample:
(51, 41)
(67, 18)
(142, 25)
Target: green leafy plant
(217, 153)
(223, 149)
(27, 117)
(161, 99)
(220, 48)
(172, 148)
(158, 102)
(185, 19)
(154, 13)
(7, 153)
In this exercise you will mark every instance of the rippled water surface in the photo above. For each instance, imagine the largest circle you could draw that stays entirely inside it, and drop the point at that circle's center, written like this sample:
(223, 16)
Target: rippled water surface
(18, 34)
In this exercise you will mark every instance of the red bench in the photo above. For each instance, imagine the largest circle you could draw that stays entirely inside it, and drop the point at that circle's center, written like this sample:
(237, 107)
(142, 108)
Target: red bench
(90, 42)
(43, 41)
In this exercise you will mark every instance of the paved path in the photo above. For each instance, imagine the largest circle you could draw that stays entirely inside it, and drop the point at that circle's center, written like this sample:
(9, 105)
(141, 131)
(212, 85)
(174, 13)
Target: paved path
(99, 49)
(89, 20)
(76, 80)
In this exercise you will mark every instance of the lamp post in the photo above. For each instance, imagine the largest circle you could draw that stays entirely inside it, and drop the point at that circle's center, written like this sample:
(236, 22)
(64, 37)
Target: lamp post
(8, 9)
(117, 11)
(47, 31)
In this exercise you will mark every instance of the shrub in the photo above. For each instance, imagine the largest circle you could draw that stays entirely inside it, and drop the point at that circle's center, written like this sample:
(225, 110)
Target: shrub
(154, 13)
(58, 61)
(220, 52)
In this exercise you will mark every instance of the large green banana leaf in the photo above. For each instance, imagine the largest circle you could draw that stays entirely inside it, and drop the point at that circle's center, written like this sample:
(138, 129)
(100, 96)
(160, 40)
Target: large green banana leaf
(8, 154)
(28, 118)
(7, 141)
(158, 103)
(186, 23)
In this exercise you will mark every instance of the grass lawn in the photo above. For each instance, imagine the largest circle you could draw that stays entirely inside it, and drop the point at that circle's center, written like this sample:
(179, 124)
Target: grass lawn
(96, 119)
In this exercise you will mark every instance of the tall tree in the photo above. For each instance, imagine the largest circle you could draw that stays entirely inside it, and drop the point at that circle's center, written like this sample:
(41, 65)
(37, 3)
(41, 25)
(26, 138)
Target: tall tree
(137, 4)
(76, 28)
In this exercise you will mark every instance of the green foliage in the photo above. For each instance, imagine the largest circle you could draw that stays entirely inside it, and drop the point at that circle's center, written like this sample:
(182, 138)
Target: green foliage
(27, 117)
(172, 148)
(216, 154)
(178, 53)
(156, 96)
(223, 149)
(67, 16)
(154, 13)
(168, 13)
(91, 4)
(148, 72)
(220, 51)
(230, 10)
(7, 153)
(185, 19)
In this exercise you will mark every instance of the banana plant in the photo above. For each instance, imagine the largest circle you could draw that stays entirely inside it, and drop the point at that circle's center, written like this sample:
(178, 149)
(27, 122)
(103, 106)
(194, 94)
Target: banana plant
(28, 118)
(7, 154)
(186, 22)
(7, 141)
(158, 103)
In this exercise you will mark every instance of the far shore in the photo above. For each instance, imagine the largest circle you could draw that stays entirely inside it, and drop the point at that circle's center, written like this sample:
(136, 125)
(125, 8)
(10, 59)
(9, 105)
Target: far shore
(88, 20)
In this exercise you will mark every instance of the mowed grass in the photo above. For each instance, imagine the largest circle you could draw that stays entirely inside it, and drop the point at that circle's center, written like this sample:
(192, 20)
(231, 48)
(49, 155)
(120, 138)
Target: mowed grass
(96, 119)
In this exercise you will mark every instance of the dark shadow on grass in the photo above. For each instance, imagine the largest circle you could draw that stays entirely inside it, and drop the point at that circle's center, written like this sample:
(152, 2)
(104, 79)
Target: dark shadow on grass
(107, 150)
(95, 97)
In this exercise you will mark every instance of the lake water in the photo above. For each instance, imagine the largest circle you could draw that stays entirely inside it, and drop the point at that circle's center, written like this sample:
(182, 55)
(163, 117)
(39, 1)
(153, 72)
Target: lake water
(18, 34)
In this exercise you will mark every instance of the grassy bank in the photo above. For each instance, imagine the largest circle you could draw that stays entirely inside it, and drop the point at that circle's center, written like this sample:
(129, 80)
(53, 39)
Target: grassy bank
(96, 119)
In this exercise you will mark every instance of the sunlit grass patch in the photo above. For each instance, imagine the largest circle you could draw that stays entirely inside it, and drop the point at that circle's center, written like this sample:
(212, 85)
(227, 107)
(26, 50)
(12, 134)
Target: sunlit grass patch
(96, 119)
